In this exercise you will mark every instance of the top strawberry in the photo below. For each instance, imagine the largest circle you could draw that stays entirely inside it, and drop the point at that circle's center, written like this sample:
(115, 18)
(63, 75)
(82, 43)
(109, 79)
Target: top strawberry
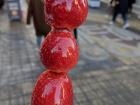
(65, 14)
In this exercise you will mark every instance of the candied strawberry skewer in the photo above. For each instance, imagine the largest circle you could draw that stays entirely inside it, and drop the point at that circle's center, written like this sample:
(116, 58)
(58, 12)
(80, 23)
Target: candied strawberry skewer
(59, 52)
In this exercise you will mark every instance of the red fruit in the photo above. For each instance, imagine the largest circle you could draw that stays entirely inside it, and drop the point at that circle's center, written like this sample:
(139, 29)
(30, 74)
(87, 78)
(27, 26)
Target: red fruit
(66, 13)
(53, 89)
(59, 51)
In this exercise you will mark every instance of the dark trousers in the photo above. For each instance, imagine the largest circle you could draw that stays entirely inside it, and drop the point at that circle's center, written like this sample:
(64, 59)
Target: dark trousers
(124, 16)
(130, 8)
(75, 33)
(1, 3)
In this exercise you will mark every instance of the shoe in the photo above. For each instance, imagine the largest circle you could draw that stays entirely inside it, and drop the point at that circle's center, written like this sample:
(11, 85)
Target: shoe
(126, 26)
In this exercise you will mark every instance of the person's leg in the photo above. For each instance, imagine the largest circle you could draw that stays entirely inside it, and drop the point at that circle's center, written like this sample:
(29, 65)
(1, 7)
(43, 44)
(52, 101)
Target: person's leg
(125, 19)
(130, 9)
(38, 40)
(1, 4)
(130, 6)
(115, 14)
(75, 33)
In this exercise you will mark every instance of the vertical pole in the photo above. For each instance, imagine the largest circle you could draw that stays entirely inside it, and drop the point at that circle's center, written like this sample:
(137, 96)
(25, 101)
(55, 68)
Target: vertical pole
(59, 52)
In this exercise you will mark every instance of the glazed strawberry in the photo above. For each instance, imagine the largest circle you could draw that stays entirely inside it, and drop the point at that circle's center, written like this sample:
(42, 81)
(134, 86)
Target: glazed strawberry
(53, 89)
(66, 13)
(59, 51)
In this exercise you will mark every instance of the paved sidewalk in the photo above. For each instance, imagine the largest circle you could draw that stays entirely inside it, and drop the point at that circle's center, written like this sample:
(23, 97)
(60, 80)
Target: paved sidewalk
(107, 73)
(19, 63)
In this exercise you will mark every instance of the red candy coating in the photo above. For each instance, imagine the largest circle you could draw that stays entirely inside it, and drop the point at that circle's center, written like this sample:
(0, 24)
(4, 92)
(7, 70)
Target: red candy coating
(59, 51)
(66, 13)
(53, 89)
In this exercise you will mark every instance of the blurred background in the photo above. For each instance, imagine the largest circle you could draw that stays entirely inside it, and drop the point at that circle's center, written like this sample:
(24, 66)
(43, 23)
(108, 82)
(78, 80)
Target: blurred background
(108, 71)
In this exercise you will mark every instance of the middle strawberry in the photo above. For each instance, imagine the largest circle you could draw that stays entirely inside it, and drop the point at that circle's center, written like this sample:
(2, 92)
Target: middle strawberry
(59, 51)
